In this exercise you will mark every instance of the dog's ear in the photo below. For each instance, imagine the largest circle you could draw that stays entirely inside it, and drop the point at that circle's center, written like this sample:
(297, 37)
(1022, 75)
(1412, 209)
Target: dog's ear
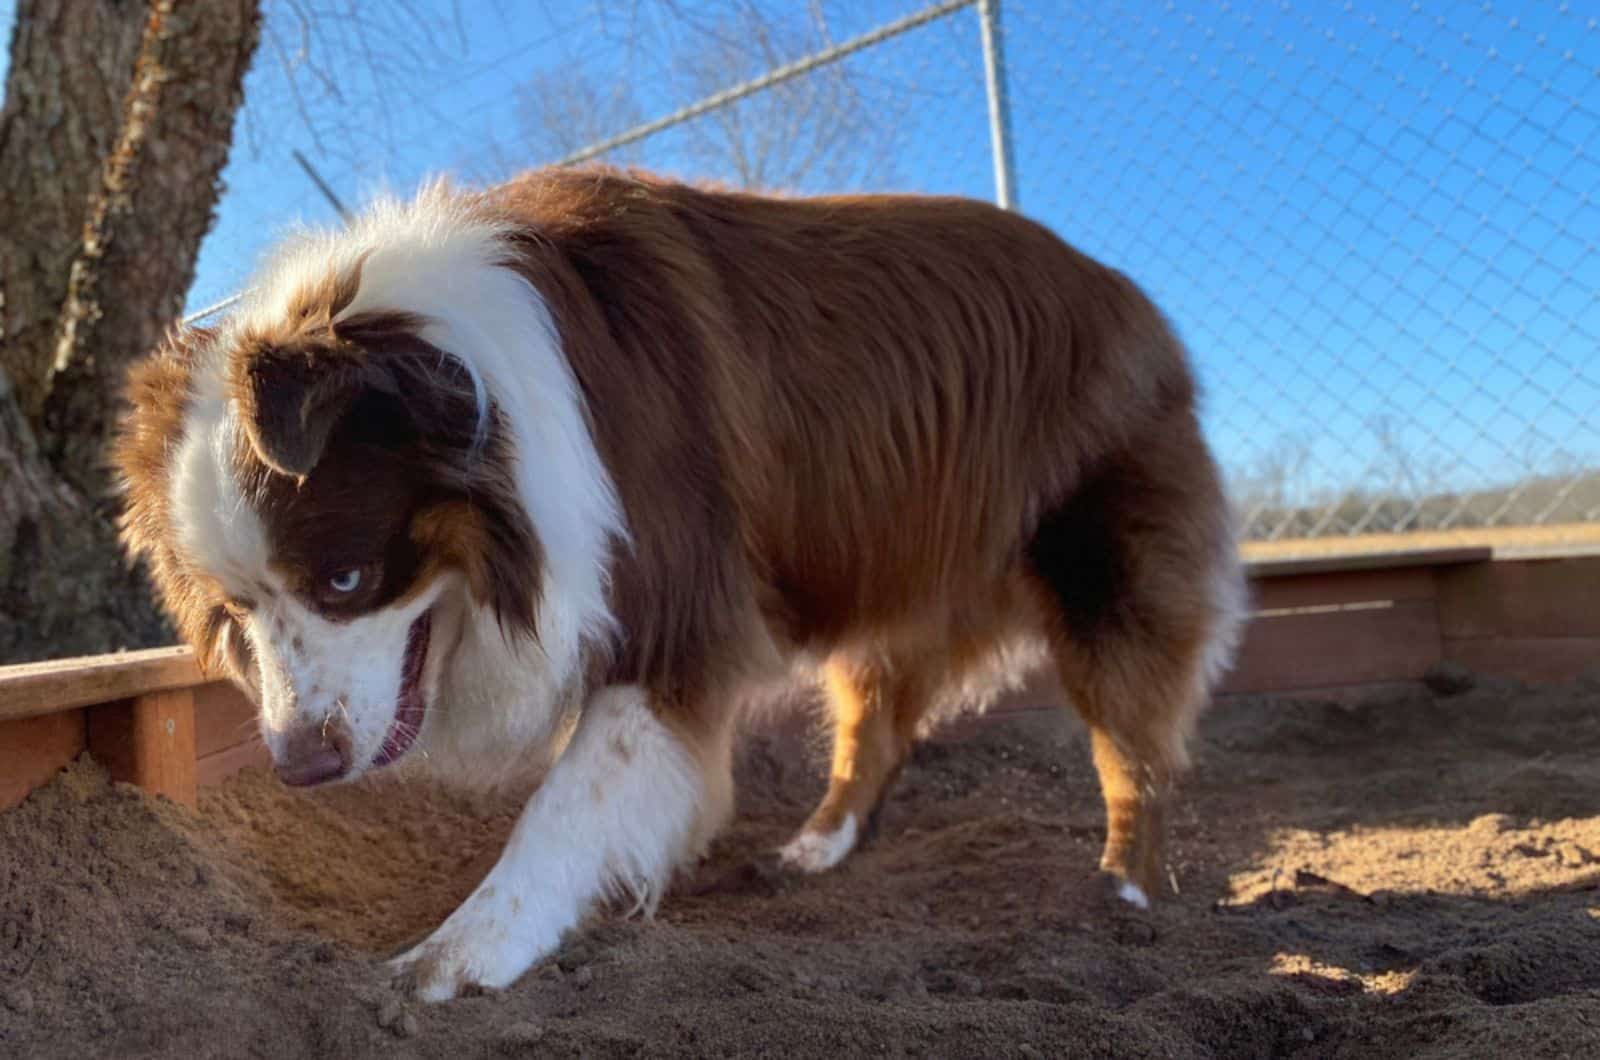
(291, 399)
(293, 382)
(292, 395)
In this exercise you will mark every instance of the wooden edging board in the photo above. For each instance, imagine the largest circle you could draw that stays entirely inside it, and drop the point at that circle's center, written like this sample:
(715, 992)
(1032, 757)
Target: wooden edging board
(1262, 569)
(31, 689)
(1325, 620)
(38, 688)
(134, 711)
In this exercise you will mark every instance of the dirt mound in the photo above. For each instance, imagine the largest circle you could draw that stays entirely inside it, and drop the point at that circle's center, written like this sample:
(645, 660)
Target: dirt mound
(1411, 876)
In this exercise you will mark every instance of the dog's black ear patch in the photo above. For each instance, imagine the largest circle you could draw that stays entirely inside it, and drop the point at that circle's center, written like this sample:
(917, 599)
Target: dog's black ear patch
(291, 400)
(295, 382)
(295, 377)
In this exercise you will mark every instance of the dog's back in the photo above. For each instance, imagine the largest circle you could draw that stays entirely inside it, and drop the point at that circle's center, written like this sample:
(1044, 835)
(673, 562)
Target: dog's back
(886, 394)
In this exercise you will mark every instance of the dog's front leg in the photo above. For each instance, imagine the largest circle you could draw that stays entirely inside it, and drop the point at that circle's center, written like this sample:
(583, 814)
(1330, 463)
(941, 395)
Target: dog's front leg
(616, 814)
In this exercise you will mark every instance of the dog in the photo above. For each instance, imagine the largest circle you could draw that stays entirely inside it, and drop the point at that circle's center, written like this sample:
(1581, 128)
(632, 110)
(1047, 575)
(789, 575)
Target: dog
(581, 459)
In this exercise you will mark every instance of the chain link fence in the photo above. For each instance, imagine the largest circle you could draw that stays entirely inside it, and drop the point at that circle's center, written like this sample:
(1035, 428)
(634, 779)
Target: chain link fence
(1373, 223)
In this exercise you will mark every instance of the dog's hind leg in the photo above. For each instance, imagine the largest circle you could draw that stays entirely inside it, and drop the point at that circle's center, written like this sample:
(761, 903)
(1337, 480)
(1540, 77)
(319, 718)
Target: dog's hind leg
(875, 706)
(1141, 573)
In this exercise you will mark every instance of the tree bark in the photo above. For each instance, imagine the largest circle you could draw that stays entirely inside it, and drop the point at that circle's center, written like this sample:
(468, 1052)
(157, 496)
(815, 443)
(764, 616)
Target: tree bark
(117, 122)
(71, 65)
(156, 201)
(64, 589)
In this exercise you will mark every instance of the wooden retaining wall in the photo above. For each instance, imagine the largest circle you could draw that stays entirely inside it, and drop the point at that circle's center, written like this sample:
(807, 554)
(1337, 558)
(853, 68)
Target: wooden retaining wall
(1334, 622)
(150, 717)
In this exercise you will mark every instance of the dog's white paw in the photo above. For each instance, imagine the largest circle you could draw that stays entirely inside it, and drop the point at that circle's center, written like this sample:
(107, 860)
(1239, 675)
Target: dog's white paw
(815, 852)
(464, 956)
(1133, 894)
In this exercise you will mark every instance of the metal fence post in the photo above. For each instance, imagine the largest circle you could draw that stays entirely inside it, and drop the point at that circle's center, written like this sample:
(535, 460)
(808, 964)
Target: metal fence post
(994, 76)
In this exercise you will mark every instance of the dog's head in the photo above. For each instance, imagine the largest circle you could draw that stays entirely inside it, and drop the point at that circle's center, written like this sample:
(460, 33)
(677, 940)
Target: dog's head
(326, 501)
(373, 484)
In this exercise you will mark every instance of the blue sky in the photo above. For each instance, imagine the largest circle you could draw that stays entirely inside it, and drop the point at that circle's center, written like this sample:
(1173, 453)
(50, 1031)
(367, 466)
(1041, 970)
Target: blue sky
(1355, 214)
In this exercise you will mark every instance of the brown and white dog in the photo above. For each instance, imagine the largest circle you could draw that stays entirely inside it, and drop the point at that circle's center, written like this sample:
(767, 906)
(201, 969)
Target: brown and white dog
(592, 445)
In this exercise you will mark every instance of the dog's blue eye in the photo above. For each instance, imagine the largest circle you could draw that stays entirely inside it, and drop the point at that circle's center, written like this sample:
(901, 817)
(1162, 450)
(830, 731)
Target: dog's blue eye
(346, 581)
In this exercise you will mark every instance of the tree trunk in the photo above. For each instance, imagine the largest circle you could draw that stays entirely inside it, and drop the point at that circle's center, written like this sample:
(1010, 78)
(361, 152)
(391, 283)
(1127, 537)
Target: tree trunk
(71, 65)
(117, 122)
(63, 587)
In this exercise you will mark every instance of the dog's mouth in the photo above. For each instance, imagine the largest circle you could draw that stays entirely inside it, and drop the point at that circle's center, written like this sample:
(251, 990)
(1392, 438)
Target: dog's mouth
(412, 705)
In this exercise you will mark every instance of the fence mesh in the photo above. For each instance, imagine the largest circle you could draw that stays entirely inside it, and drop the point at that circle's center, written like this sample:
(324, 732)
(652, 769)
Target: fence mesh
(1373, 223)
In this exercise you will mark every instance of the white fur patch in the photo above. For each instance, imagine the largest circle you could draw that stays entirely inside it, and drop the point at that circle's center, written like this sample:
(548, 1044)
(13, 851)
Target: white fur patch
(1133, 894)
(815, 852)
(616, 814)
(312, 669)
(1230, 596)
(216, 529)
(501, 714)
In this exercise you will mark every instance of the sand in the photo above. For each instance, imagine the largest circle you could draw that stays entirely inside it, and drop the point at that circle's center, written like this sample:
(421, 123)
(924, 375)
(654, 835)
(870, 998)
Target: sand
(1416, 875)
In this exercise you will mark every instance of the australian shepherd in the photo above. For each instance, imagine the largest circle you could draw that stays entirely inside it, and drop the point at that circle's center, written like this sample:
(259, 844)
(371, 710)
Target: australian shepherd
(588, 456)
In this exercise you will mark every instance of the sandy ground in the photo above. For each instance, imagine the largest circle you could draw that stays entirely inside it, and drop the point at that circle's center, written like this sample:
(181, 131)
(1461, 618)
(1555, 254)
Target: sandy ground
(1412, 876)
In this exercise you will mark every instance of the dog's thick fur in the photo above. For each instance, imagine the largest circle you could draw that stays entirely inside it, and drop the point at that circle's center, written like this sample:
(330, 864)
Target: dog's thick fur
(600, 445)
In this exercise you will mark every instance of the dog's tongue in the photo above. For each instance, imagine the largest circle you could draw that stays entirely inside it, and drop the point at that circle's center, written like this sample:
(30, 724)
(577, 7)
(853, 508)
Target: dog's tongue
(411, 707)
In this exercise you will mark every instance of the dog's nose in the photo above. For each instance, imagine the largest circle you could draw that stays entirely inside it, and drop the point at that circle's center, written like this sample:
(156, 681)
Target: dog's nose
(314, 754)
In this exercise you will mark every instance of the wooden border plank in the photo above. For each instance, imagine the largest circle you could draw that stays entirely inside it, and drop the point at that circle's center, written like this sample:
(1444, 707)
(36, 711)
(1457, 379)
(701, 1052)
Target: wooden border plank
(1537, 660)
(1294, 566)
(1326, 620)
(1506, 542)
(1522, 599)
(33, 750)
(223, 717)
(32, 689)
(1324, 588)
(148, 741)
(67, 684)
(1397, 641)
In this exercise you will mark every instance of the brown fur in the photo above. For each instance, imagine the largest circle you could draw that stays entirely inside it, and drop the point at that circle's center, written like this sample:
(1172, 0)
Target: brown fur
(888, 422)
(889, 431)
(158, 394)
